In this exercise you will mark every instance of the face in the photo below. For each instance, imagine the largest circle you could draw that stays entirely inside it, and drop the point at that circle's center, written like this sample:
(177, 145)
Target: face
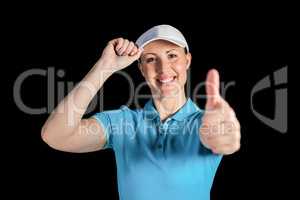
(164, 66)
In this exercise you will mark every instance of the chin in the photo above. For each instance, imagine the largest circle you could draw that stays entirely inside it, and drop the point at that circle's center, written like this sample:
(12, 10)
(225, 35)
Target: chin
(170, 92)
(166, 90)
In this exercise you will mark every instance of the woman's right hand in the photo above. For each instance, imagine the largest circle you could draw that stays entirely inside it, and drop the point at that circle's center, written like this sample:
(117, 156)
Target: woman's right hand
(120, 53)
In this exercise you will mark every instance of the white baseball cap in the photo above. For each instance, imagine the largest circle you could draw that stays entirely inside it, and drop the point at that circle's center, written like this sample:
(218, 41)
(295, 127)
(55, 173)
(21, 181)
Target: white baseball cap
(162, 32)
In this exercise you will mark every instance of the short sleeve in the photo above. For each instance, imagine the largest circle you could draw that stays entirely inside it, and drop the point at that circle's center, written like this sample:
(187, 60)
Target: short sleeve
(112, 123)
(105, 123)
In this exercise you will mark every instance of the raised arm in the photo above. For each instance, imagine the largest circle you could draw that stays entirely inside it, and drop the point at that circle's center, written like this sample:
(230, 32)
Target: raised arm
(65, 129)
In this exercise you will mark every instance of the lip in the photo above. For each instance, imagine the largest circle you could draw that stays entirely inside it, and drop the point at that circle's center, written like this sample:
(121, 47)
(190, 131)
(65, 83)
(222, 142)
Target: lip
(166, 80)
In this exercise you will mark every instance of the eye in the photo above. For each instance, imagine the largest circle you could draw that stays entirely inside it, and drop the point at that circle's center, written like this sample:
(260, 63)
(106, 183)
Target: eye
(172, 55)
(149, 60)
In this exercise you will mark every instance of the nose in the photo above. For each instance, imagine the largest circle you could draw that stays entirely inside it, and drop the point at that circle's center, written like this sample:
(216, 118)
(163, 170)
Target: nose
(163, 65)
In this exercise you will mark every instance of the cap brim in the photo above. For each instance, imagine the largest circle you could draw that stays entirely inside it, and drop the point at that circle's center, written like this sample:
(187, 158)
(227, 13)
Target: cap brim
(163, 38)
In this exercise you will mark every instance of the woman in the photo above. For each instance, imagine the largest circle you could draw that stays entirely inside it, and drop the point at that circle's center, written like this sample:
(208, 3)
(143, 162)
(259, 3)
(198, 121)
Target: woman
(170, 149)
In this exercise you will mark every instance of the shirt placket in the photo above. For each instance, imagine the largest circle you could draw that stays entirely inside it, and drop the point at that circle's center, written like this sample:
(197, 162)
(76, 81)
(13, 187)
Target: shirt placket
(162, 131)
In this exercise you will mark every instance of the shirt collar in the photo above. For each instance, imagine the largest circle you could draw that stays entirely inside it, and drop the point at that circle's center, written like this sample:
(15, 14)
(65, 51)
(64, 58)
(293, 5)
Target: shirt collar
(187, 109)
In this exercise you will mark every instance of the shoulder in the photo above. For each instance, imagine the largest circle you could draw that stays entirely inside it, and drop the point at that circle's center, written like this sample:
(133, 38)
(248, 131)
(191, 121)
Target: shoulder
(135, 114)
(123, 113)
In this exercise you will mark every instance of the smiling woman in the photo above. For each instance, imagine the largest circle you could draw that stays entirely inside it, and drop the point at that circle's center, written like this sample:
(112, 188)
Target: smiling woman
(170, 148)
(164, 66)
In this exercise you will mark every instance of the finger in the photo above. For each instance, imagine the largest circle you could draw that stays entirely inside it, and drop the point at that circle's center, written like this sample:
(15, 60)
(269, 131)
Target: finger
(221, 114)
(138, 54)
(222, 150)
(229, 113)
(116, 44)
(226, 149)
(133, 51)
(124, 47)
(220, 139)
(224, 128)
(119, 43)
(216, 141)
(128, 49)
(212, 88)
(213, 117)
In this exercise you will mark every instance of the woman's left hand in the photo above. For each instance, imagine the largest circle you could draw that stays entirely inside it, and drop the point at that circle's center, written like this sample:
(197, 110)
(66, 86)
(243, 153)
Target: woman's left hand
(220, 129)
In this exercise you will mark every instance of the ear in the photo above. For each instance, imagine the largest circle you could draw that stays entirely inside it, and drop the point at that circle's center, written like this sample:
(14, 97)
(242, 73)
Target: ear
(189, 60)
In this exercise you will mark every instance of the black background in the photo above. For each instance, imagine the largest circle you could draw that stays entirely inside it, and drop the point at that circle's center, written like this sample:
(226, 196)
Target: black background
(245, 45)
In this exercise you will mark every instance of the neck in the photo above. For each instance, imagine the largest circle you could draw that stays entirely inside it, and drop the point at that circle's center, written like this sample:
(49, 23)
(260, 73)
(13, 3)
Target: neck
(167, 106)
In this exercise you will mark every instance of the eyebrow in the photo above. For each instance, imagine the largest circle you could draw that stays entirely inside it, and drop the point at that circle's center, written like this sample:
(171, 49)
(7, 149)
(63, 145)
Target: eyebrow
(168, 51)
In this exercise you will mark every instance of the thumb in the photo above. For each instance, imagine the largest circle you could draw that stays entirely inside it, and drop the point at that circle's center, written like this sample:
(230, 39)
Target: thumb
(212, 87)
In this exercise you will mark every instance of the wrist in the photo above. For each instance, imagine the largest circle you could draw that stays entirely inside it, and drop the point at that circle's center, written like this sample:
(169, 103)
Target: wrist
(106, 66)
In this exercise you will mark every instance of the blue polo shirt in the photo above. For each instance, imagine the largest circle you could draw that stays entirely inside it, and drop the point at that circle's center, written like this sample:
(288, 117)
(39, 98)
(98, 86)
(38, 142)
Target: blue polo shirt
(159, 160)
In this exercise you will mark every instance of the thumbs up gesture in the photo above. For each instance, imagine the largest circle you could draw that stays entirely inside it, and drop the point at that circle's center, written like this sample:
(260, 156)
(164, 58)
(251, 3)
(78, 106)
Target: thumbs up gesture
(220, 129)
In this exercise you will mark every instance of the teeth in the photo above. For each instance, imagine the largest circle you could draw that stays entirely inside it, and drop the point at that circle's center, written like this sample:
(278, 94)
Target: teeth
(166, 80)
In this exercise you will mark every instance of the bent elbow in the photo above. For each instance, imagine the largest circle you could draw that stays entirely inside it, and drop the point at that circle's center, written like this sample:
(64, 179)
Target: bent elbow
(45, 136)
(54, 141)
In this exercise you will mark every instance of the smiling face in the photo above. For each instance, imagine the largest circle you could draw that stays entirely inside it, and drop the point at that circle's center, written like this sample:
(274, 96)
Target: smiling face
(164, 66)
